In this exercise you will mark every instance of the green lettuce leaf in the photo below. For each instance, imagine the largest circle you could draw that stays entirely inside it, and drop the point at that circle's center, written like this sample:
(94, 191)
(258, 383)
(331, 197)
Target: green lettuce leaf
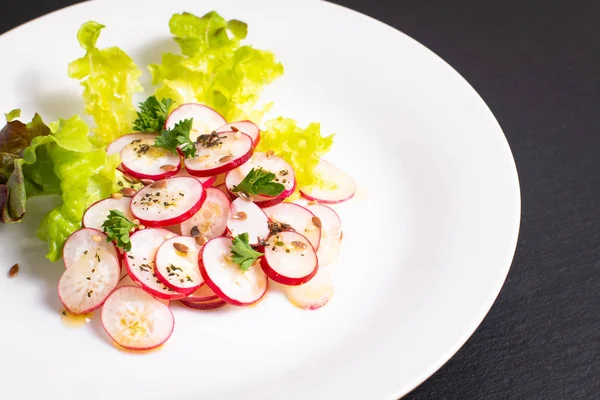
(109, 78)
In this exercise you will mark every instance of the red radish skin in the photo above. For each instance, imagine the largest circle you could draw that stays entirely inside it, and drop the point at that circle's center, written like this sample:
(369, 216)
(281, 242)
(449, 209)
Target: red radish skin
(206, 181)
(144, 161)
(203, 294)
(288, 263)
(247, 217)
(211, 219)
(140, 262)
(235, 150)
(247, 127)
(207, 305)
(299, 218)
(127, 281)
(204, 119)
(343, 185)
(135, 320)
(314, 294)
(117, 145)
(179, 270)
(164, 204)
(83, 244)
(226, 279)
(97, 213)
(331, 233)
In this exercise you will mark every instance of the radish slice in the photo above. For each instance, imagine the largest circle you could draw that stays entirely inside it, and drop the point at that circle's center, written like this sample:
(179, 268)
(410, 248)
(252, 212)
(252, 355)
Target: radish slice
(331, 233)
(83, 245)
(227, 193)
(235, 149)
(313, 294)
(211, 220)
(247, 127)
(85, 285)
(207, 181)
(97, 213)
(339, 186)
(205, 305)
(135, 320)
(245, 216)
(168, 202)
(203, 294)
(205, 119)
(226, 279)
(117, 145)
(142, 160)
(176, 264)
(299, 218)
(289, 259)
(140, 262)
(127, 281)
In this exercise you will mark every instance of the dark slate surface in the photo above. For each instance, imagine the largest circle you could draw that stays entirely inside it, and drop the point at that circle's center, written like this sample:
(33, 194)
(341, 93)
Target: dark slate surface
(537, 65)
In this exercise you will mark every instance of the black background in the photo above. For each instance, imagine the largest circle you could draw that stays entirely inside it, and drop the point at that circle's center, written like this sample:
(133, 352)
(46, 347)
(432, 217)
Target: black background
(537, 65)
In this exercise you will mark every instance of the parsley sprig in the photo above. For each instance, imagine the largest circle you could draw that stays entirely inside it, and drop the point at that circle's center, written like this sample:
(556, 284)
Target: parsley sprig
(117, 227)
(152, 115)
(259, 182)
(179, 135)
(242, 253)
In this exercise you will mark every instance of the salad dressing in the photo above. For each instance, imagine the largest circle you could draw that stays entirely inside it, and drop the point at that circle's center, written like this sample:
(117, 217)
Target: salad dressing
(74, 321)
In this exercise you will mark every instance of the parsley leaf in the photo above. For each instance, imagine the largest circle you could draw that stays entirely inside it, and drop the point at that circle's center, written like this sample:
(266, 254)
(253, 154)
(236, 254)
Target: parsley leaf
(117, 228)
(241, 252)
(171, 139)
(259, 181)
(152, 115)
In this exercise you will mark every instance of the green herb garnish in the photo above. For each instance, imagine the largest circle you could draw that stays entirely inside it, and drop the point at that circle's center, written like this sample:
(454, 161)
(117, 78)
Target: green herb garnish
(242, 253)
(171, 139)
(259, 182)
(152, 115)
(117, 227)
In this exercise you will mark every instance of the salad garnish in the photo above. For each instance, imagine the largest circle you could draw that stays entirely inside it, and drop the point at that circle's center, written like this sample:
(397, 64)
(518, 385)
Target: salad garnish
(152, 115)
(259, 182)
(118, 228)
(242, 253)
(178, 138)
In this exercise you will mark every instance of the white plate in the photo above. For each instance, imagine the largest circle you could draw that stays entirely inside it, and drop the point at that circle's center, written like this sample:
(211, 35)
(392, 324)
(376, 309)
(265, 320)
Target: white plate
(428, 240)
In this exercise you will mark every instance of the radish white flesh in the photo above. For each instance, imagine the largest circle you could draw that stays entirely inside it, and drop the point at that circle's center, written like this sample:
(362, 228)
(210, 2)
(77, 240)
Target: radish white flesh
(211, 219)
(85, 285)
(331, 233)
(168, 202)
(247, 127)
(117, 145)
(206, 305)
(289, 259)
(207, 181)
(339, 186)
(142, 160)
(299, 218)
(313, 294)
(205, 119)
(203, 294)
(135, 320)
(235, 149)
(226, 279)
(127, 281)
(176, 264)
(140, 262)
(245, 216)
(96, 214)
(82, 246)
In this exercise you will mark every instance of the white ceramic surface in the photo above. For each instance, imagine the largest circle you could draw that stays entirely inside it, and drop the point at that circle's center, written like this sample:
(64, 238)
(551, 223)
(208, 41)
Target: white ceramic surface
(428, 239)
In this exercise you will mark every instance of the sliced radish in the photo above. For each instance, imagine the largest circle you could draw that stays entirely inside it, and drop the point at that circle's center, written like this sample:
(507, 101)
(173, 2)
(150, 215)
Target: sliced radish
(85, 285)
(204, 119)
(203, 294)
(83, 245)
(207, 181)
(127, 281)
(168, 202)
(247, 127)
(289, 258)
(313, 294)
(235, 149)
(97, 213)
(299, 218)
(331, 233)
(226, 279)
(338, 187)
(176, 264)
(245, 216)
(205, 305)
(142, 160)
(117, 145)
(211, 220)
(227, 193)
(140, 262)
(135, 320)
